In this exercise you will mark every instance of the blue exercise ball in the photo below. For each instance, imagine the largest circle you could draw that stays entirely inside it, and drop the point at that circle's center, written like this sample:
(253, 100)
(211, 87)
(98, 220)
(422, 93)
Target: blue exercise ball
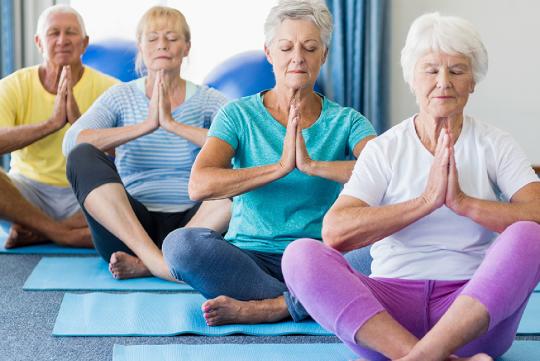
(244, 74)
(113, 57)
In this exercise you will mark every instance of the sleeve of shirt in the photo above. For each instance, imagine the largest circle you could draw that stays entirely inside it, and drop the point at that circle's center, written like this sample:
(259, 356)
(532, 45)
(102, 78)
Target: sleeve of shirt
(370, 176)
(360, 128)
(102, 114)
(215, 101)
(227, 126)
(9, 98)
(514, 170)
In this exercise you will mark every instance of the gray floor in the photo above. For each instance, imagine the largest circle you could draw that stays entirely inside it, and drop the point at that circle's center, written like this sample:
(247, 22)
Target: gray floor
(27, 319)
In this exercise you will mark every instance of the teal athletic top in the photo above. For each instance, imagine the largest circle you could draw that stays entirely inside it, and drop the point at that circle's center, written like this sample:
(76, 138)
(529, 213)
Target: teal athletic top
(268, 218)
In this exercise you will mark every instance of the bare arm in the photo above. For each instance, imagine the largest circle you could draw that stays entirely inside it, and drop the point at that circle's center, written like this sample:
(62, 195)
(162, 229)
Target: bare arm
(21, 136)
(339, 171)
(212, 177)
(109, 138)
(351, 223)
(195, 135)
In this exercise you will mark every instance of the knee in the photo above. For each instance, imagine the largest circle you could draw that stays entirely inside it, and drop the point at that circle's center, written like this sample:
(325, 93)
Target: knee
(79, 156)
(184, 249)
(524, 233)
(301, 259)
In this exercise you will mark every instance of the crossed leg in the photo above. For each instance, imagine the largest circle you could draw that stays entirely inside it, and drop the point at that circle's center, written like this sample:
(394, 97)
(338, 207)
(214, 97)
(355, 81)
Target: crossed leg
(383, 318)
(33, 226)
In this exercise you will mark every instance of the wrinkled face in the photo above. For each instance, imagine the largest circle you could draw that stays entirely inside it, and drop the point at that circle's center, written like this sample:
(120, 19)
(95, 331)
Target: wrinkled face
(296, 54)
(442, 84)
(163, 47)
(63, 42)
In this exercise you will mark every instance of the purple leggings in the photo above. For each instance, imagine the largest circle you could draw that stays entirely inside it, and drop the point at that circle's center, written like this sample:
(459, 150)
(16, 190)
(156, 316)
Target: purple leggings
(342, 300)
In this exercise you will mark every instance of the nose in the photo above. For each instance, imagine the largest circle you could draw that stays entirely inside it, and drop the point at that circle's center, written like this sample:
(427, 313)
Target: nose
(62, 38)
(298, 56)
(443, 79)
(162, 44)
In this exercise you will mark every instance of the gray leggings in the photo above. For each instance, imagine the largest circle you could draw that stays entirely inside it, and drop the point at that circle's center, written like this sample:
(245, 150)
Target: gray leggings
(214, 267)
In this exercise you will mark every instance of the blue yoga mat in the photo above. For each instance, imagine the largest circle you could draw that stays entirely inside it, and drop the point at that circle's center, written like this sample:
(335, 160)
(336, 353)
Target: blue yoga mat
(89, 274)
(520, 351)
(530, 322)
(46, 248)
(150, 314)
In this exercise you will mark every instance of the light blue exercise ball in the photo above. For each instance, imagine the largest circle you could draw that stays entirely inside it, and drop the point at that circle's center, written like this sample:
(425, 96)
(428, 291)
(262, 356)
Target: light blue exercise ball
(114, 57)
(244, 74)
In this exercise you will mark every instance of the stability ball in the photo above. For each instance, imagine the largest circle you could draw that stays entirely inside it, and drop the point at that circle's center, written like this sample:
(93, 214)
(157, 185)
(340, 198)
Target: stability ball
(244, 74)
(114, 57)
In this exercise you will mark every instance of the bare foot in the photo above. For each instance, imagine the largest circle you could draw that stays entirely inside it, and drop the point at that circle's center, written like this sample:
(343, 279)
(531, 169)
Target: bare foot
(224, 310)
(124, 266)
(21, 237)
(477, 357)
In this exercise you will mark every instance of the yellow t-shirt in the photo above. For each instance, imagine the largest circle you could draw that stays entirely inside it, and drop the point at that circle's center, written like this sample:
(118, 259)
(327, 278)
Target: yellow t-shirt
(24, 101)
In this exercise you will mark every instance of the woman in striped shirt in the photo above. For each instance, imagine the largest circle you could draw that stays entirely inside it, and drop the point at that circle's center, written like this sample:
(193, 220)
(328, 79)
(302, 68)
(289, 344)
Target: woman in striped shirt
(156, 126)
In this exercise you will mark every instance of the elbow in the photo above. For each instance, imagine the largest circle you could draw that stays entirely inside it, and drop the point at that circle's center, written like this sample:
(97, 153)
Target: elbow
(331, 235)
(198, 188)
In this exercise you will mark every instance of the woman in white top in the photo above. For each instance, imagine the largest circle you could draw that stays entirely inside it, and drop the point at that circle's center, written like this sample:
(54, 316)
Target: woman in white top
(430, 194)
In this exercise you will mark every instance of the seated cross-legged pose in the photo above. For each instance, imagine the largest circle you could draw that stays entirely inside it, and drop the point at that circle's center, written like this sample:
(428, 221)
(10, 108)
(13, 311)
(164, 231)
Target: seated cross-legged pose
(156, 125)
(37, 106)
(291, 153)
(431, 195)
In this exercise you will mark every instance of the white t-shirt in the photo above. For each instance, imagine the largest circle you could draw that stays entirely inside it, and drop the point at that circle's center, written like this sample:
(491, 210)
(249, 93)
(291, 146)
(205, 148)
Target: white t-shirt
(394, 168)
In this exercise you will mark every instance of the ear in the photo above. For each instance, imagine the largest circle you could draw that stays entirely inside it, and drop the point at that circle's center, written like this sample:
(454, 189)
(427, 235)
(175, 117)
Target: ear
(268, 56)
(86, 41)
(37, 41)
(187, 49)
(325, 55)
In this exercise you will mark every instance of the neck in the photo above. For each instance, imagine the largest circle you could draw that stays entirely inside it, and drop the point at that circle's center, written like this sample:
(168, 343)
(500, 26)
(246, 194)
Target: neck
(171, 79)
(428, 128)
(308, 102)
(49, 75)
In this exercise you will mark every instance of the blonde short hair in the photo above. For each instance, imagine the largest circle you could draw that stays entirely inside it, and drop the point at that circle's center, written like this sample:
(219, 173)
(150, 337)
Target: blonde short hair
(158, 16)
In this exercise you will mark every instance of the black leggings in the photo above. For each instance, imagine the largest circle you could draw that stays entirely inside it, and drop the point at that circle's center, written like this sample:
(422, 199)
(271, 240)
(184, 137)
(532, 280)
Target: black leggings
(88, 168)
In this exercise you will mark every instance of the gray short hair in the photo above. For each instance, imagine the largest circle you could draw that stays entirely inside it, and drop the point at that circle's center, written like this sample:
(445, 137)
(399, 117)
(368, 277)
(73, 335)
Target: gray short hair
(58, 9)
(447, 34)
(314, 10)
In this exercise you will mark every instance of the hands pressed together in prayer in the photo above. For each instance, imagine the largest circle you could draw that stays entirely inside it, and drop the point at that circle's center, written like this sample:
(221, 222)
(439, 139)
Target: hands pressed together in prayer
(295, 154)
(443, 182)
(159, 114)
(65, 109)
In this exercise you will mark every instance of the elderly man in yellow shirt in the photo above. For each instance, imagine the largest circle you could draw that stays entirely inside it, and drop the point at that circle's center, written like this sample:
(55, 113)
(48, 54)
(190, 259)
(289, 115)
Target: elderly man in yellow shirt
(37, 106)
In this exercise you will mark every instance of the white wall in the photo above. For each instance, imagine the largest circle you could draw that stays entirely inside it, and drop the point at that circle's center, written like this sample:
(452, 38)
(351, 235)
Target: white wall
(509, 97)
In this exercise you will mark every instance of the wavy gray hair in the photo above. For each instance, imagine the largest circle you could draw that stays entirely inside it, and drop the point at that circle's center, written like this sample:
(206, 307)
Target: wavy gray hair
(314, 10)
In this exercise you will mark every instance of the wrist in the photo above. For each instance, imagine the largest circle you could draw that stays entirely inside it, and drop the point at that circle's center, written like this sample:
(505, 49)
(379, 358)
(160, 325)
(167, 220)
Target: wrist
(461, 205)
(308, 167)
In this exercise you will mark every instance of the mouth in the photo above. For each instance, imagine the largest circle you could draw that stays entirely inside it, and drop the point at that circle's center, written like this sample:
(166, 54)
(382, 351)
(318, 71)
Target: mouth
(297, 72)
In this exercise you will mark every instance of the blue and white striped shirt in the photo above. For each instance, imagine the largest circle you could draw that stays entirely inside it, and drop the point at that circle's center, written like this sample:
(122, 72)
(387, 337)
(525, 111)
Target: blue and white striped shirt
(154, 168)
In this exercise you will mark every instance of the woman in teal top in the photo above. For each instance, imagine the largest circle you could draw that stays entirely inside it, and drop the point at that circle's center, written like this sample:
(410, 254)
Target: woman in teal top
(290, 150)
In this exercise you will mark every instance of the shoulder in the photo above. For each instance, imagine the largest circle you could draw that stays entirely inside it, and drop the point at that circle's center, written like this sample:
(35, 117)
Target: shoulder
(242, 105)
(484, 130)
(21, 77)
(99, 78)
(399, 132)
(209, 95)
